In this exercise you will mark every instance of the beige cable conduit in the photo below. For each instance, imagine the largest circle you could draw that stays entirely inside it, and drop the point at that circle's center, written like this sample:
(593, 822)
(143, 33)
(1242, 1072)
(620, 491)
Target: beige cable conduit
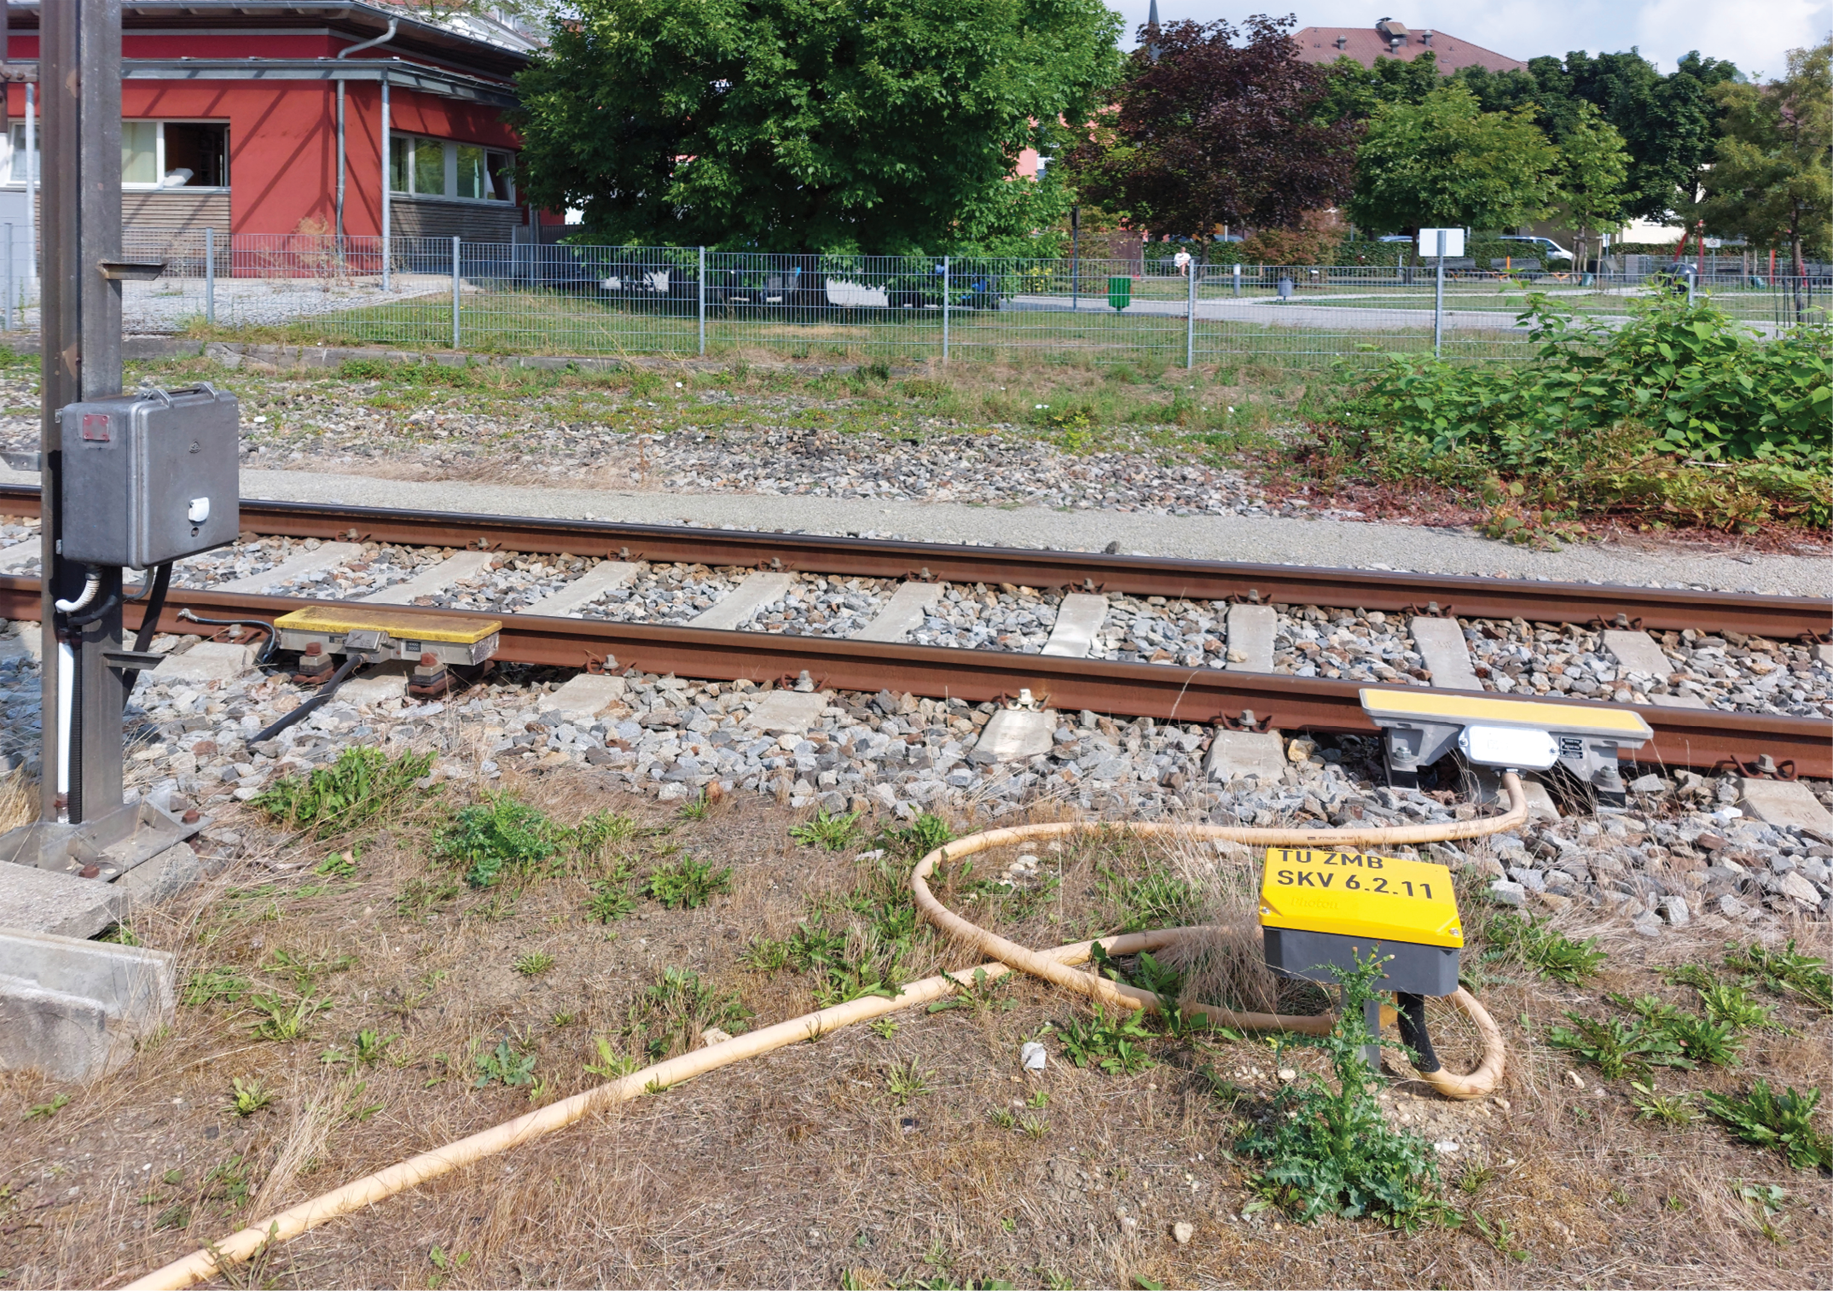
(1054, 965)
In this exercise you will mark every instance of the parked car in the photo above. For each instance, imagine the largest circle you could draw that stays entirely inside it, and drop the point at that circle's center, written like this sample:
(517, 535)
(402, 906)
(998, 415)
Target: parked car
(1546, 248)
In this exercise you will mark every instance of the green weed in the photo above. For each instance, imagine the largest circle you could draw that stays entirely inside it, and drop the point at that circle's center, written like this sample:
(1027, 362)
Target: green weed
(1115, 1044)
(1530, 941)
(339, 865)
(688, 882)
(246, 1097)
(1733, 1007)
(368, 1047)
(420, 895)
(1786, 971)
(1154, 899)
(611, 1064)
(921, 837)
(45, 1111)
(905, 1081)
(1331, 1151)
(534, 963)
(600, 830)
(611, 900)
(832, 832)
(1501, 1235)
(284, 1022)
(361, 785)
(504, 1065)
(498, 835)
(213, 985)
(1667, 1109)
(883, 1028)
(1783, 1121)
(1617, 1048)
(670, 1014)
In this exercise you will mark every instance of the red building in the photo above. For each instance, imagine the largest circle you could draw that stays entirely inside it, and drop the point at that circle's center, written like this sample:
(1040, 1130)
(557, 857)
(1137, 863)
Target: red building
(1390, 39)
(240, 115)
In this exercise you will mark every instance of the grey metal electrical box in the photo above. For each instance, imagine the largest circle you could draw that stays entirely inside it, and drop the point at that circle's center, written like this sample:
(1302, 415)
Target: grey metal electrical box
(149, 477)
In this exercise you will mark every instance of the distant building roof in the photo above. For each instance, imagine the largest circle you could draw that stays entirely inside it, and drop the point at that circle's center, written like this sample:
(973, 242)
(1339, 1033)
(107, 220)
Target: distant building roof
(1390, 39)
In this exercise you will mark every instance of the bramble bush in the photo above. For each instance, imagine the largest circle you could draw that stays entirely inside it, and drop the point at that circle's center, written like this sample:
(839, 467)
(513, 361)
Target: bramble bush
(1682, 416)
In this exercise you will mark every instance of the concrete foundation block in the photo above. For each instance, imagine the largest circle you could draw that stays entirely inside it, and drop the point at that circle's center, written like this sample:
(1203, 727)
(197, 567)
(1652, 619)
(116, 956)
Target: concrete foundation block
(45, 902)
(73, 1008)
(1251, 629)
(454, 569)
(206, 661)
(1079, 617)
(1441, 644)
(606, 576)
(786, 712)
(1785, 802)
(1234, 754)
(1013, 735)
(583, 697)
(903, 614)
(740, 605)
(175, 870)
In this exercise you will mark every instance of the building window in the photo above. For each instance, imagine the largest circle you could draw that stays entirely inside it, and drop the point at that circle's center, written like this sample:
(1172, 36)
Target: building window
(173, 154)
(15, 154)
(441, 168)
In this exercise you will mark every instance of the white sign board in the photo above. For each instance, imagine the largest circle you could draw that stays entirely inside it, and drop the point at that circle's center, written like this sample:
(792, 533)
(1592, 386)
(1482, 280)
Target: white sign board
(1454, 242)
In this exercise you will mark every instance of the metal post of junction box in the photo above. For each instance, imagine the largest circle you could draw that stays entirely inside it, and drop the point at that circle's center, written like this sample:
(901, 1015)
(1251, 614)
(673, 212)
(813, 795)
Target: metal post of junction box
(85, 671)
(80, 68)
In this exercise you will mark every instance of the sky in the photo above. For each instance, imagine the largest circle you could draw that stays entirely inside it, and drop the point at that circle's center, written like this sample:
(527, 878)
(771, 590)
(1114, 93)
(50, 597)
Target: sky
(1754, 34)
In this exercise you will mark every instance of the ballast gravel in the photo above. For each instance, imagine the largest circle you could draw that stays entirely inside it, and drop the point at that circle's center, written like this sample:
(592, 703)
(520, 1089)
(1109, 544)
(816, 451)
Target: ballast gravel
(1682, 851)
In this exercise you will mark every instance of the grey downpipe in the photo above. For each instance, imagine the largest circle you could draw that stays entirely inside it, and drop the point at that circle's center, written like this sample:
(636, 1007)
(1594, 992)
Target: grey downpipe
(394, 25)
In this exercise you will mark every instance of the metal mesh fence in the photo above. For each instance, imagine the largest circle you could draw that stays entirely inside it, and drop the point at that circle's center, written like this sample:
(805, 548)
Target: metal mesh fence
(590, 300)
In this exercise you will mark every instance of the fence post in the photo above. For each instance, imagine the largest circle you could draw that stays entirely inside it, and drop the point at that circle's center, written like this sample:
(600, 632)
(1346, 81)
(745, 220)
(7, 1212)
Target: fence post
(1237, 278)
(210, 276)
(702, 304)
(455, 291)
(9, 276)
(1438, 299)
(1190, 316)
(944, 309)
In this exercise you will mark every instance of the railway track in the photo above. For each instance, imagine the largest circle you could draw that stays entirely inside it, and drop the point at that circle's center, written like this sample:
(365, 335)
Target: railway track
(1698, 737)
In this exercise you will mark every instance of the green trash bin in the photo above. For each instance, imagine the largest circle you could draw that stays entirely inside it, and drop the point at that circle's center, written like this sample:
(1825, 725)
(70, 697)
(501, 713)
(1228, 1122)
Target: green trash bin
(1120, 292)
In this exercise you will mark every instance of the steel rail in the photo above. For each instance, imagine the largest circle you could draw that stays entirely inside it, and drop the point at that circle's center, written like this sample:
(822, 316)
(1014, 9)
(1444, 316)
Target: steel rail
(1662, 609)
(1702, 738)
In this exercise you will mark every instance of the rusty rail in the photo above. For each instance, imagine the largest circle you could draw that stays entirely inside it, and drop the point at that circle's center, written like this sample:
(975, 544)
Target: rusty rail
(1662, 609)
(1701, 738)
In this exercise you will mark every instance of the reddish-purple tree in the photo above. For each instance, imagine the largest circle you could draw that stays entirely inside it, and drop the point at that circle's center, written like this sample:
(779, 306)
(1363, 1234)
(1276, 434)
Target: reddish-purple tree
(1218, 125)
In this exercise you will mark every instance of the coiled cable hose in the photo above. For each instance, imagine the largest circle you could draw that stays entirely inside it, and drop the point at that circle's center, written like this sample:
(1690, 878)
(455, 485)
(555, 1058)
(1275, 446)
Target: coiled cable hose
(1054, 965)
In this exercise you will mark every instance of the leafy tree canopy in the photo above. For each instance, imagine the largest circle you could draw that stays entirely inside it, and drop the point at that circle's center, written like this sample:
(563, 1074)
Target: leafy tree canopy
(1668, 124)
(811, 125)
(1217, 125)
(1770, 181)
(1444, 162)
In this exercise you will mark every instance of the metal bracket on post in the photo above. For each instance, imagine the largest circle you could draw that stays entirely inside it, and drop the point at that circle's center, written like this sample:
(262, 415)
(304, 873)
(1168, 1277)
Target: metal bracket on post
(944, 309)
(1438, 300)
(1190, 317)
(455, 288)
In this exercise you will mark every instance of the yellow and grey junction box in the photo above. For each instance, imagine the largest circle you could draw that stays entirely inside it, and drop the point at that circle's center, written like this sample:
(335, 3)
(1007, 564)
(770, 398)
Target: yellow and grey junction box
(381, 633)
(1320, 910)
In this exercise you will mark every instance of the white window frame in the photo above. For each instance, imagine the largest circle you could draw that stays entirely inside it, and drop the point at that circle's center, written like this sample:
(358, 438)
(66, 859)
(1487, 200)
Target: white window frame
(449, 157)
(16, 179)
(159, 166)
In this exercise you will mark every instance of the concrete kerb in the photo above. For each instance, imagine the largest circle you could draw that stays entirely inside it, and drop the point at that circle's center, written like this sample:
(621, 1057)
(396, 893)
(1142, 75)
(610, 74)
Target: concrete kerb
(73, 1008)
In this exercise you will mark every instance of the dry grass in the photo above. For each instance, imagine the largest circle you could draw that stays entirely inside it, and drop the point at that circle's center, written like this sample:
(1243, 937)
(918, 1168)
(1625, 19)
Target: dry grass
(800, 1167)
(18, 800)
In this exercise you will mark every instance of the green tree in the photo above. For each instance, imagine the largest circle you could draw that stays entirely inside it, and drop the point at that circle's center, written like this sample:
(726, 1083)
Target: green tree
(1769, 181)
(1356, 91)
(1446, 162)
(1593, 176)
(811, 125)
(1668, 123)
